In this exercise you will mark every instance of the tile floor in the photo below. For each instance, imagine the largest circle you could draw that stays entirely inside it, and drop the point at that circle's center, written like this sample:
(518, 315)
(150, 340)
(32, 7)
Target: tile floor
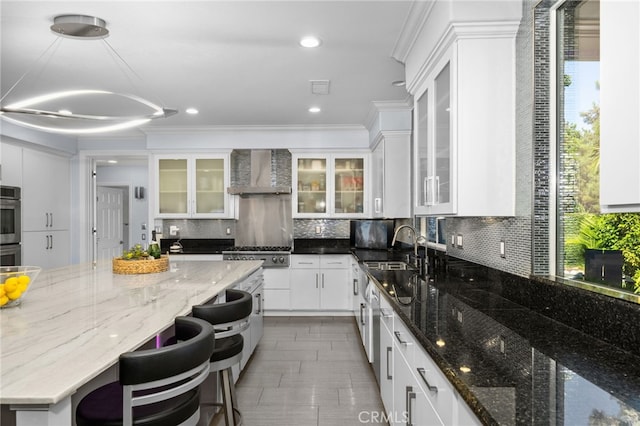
(308, 371)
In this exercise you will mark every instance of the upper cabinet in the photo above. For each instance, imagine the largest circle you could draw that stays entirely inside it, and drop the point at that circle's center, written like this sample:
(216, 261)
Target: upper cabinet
(329, 185)
(192, 186)
(391, 175)
(619, 107)
(461, 73)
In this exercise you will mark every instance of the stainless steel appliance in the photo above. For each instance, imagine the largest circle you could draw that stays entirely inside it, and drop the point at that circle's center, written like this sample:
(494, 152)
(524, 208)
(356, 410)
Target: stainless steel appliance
(10, 254)
(272, 256)
(10, 215)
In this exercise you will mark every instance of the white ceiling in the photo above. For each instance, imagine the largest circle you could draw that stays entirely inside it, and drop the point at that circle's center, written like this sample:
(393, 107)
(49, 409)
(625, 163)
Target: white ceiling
(238, 62)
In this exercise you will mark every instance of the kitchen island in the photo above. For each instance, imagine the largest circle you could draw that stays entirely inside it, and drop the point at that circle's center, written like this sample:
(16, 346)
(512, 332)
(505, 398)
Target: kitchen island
(75, 322)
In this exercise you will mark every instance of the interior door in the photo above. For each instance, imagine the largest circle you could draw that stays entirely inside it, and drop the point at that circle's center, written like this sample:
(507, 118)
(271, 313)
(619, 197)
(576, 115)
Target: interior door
(109, 222)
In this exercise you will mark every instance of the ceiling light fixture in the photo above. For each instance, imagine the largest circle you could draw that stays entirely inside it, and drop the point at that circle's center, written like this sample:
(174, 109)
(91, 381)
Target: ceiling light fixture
(314, 109)
(192, 111)
(43, 112)
(310, 41)
(399, 83)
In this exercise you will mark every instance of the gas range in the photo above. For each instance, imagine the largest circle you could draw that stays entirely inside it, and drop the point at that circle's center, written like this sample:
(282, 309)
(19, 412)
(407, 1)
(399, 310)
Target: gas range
(272, 256)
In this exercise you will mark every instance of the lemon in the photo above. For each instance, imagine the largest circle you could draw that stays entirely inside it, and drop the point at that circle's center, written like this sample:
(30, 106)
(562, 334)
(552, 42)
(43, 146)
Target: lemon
(24, 279)
(2, 292)
(4, 300)
(14, 294)
(11, 284)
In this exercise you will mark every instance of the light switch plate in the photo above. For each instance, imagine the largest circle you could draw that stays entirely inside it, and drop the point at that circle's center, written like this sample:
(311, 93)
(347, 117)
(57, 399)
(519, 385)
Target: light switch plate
(502, 251)
(459, 241)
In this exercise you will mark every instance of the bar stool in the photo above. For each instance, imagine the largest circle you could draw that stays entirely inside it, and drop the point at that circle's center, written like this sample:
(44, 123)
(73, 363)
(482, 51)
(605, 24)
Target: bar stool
(159, 387)
(229, 319)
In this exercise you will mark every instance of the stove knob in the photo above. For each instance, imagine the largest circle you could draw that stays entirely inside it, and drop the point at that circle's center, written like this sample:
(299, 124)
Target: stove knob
(274, 259)
(281, 259)
(251, 258)
(244, 257)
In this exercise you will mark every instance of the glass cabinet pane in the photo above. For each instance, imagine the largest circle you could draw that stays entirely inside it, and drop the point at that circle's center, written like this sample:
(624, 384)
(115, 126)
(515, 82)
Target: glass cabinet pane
(349, 185)
(442, 154)
(423, 151)
(172, 186)
(209, 185)
(312, 185)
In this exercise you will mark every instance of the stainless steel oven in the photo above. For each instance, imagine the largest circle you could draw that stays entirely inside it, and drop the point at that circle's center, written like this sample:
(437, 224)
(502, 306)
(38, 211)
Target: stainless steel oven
(10, 254)
(10, 215)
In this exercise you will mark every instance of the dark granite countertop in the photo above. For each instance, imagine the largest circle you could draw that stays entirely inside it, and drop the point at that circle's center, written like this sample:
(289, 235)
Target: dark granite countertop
(321, 246)
(525, 368)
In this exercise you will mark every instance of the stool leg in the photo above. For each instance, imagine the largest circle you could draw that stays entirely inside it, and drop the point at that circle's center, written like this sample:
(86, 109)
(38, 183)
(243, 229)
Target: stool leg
(227, 397)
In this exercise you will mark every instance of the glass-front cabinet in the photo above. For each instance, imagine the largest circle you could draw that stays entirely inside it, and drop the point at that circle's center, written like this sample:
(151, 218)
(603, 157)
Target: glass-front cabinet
(434, 145)
(192, 186)
(329, 185)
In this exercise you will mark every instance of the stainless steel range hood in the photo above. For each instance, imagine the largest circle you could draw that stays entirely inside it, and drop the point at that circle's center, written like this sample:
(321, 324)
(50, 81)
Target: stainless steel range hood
(261, 175)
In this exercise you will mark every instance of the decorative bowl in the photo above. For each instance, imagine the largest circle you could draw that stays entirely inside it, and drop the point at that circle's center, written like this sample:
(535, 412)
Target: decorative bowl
(14, 283)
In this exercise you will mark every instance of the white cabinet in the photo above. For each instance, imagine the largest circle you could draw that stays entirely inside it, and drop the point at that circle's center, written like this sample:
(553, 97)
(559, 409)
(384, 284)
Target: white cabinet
(46, 212)
(10, 165)
(391, 175)
(619, 106)
(320, 282)
(330, 185)
(465, 131)
(47, 249)
(277, 290)
(46, 191)
(252, 335)
(386, 355)
(192, 186)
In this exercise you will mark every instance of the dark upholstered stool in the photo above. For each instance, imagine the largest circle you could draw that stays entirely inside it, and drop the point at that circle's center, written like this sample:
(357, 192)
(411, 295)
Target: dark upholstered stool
(229, 319)
(159, 387)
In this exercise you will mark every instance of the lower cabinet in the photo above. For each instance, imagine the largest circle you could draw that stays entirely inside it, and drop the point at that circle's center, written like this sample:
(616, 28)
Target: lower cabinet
(47, 249)
(320, 283)
(254, 285)
(277, 289)
(386, 356)
(413, 389)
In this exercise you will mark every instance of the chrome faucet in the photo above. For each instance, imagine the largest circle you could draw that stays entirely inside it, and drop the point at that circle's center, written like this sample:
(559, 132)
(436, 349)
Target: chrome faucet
(416, 239)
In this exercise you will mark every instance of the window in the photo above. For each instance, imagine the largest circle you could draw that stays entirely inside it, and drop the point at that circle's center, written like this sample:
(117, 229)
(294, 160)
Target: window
(596, 248)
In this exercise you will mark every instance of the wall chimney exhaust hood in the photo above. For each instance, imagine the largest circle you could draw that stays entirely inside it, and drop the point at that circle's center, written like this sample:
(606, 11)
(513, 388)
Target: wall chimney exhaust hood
(260, 172)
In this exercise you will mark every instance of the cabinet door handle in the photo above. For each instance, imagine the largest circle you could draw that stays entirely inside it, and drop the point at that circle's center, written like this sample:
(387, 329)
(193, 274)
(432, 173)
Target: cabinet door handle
(51, 245)
(389, 350)
(46, 219)
(259, 297)
(316, 280)
(409, 395)
(362, 314)
(422, 374)
(305, 263)
(51, 220)
(377, 205)
(323, 280)
(355, 287)
(402, 342)
(47, 243)
(437, 191)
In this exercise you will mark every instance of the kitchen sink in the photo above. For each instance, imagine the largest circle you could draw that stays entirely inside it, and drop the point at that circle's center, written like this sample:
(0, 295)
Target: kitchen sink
(388, 265)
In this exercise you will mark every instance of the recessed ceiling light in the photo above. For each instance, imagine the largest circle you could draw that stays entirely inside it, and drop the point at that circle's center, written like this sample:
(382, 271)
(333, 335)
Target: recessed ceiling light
(112, 161)
(191, 111)
(310, 41)
(399, 83)
(314, 109)
(64, 112)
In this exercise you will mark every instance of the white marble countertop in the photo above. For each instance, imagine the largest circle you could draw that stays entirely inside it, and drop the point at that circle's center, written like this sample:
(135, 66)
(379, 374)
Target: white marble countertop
(76, 321)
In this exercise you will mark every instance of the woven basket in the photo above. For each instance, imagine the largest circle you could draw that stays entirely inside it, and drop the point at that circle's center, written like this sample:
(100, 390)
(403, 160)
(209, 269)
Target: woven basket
(142, 266)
